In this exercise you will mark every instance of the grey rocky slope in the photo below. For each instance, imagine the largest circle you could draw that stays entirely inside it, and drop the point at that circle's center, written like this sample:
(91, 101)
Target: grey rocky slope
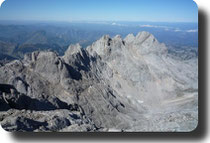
(115, 84)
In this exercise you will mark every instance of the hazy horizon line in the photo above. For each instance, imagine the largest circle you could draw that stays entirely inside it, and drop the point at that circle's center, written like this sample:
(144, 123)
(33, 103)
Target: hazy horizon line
(94, 21)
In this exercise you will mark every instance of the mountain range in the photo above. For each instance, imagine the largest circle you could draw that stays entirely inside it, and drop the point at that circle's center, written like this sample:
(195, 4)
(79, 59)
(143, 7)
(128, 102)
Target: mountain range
(117, 84)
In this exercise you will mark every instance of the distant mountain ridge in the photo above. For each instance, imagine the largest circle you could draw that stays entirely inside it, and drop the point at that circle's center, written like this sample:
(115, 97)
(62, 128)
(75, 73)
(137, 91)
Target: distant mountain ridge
(27, 38)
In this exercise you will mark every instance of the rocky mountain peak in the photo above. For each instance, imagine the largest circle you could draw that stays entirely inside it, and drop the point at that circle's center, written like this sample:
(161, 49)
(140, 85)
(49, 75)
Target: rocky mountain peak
(117, 37)
(129, 38)
(104, 38)
(146, 43)
(143, 43)
(143, 35)
(73, 49)
(139, 38)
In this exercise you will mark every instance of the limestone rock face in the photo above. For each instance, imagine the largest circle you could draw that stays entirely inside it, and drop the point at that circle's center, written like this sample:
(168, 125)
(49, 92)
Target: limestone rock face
(115, 84)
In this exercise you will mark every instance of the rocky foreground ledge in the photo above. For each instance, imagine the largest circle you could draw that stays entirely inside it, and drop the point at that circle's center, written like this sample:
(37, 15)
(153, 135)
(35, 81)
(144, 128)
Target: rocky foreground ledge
(115, 84)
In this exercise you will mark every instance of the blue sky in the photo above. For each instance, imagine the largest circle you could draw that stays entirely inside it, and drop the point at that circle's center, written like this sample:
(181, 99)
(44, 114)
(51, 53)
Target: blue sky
(100, 10)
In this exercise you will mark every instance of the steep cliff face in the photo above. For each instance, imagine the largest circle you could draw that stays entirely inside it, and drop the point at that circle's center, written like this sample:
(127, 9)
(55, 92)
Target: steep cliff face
(115, 84)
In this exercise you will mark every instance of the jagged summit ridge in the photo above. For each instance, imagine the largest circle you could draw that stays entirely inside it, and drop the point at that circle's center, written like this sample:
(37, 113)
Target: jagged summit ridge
(143, 43)
(140, 37)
